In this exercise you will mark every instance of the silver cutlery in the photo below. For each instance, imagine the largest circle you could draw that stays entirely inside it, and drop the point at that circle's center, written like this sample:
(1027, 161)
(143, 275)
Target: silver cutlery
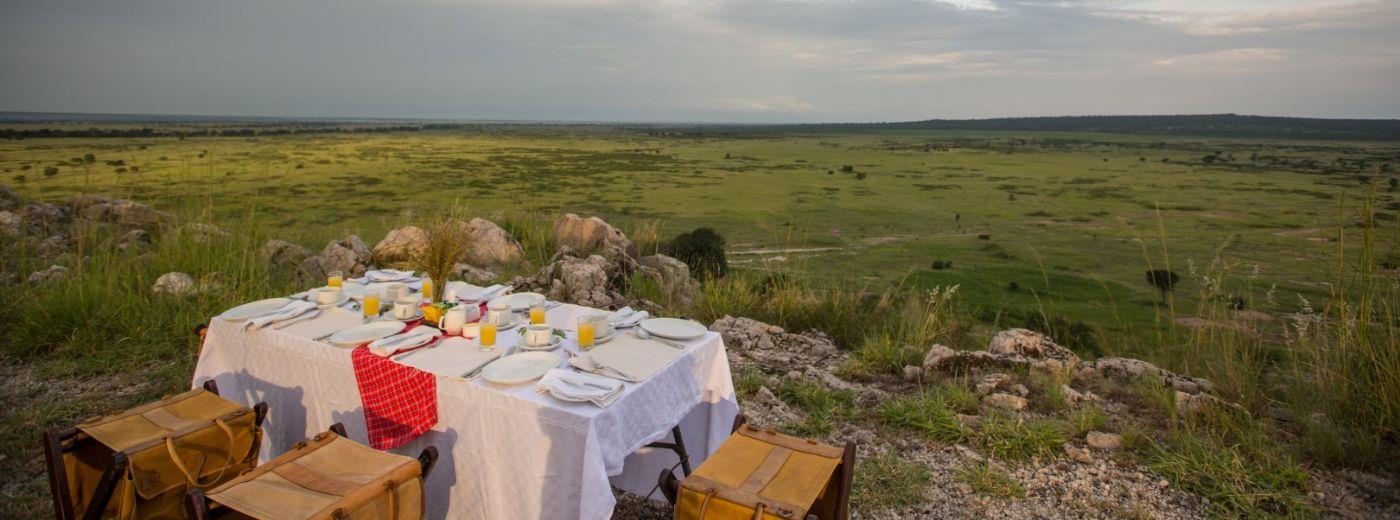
(642, 333)
(303, 317)
(599, 367)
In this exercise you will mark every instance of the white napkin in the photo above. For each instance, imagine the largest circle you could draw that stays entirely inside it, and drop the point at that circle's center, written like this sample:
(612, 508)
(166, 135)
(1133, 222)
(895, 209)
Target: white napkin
(454, 357)
(621, 314)
(634, 319)
(582, 362)
(485, 294)
(387, 275)
(291, 310)
(574, 386)
(414, 337)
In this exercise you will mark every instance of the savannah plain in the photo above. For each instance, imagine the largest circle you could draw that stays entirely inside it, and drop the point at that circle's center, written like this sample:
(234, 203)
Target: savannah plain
(1284, 250)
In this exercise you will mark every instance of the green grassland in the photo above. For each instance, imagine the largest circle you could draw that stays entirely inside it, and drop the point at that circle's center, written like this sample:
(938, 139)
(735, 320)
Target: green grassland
(1059, 224)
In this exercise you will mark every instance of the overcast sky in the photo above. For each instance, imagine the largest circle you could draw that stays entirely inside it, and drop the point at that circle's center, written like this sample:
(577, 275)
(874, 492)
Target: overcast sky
(682, 60)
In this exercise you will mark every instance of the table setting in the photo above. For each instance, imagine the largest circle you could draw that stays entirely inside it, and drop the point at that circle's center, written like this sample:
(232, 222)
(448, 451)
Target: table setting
(410, 373)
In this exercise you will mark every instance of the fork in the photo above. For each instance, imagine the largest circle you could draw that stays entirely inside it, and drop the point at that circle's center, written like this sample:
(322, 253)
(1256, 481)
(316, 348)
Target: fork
(642, 333)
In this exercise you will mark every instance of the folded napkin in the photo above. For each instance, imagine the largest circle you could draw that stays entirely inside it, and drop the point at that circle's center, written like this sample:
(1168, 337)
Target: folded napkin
(415, 337)
(400, 401)
(387, 275)
(291, 310)
(454, 357)
(584, 362)
(574, 386)
(324, 324)
(485, 294)
(634, 319)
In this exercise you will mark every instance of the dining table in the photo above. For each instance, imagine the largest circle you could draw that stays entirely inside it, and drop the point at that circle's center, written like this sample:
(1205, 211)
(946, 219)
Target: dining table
(505, 451)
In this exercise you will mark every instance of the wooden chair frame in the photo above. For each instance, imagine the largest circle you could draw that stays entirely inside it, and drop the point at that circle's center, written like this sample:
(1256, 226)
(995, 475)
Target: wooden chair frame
(57, 441)
(845, 472)
(197, 507)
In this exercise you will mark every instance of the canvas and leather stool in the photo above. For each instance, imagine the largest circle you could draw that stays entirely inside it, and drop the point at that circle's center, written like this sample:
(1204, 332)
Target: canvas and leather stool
(327, 477)
(764, 475)
(141, 462)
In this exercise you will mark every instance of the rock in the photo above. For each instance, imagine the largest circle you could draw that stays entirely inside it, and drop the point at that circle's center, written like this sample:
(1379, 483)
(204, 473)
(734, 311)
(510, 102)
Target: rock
(10, 225)
(401, 245)
(201, 233)
(912, 373)
(1075, 396)
(766, 409)
(1078, 454)
(592, 234)
(1127, 370)
(490, 246)
(970, 421)
(672, 275)
(1190, 404)
(1104, 441)
(1005, 402)
(51, 274)
(52, 247)
(133, 239)
(174, 283)
(943, 360)
(990, 383)
(283, 253)
(968, 453)
(776, 349)
(473, 274)
(349, 255)
(582, 281)
(1036, 346)
(1021, 390)
(42, 219)
(121, 212)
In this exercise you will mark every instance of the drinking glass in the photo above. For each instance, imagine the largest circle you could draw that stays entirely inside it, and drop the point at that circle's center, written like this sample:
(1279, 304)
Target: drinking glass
(586, 330)
(487, 336)
(428, 289)
(371, 303)
(335, 279)
(537, 313)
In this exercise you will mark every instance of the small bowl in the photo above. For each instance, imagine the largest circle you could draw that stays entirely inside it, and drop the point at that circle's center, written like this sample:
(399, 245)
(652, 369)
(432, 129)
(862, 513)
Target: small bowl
(471, 330)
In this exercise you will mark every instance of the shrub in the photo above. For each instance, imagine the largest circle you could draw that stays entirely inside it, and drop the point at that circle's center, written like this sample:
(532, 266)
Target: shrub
(984, 236)
(89, 158)
(50, 171)
(19, 178)
(939, 265)
(702, 250)
(848, 168)
(987, 480)
(860, 176)
(1163, 279)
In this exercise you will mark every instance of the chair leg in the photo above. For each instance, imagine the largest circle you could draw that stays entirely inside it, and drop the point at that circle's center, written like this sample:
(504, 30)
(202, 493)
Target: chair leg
(196, 507)
(58, 476)
(427, 460)
(259, 414)
(339, 429)
(106, 487)
(739, 422)
(211, 387)
(678, 446)
(848, 471)
(668, 485)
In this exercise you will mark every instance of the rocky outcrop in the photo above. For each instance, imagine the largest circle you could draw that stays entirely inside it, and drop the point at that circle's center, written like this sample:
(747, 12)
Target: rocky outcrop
(672, 275)
(38, 218)
(175, 284)
(283, 253)
(51, 274)
(134, 239)
(1008, 350)
(775, 349)
(10, 225)
(473, 274)
(401, 245)
(581, 281)
(121, 212)
(488, 245)
(1127, 370)
(591, 235)
(349, 255)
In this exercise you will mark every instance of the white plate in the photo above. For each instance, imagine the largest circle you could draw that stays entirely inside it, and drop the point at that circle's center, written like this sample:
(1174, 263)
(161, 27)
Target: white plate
(354, 336)
(518, 301)
(515, 319)
(553, 344)
(605, 339)
(673, 328)
(251, 309)
(519, 368)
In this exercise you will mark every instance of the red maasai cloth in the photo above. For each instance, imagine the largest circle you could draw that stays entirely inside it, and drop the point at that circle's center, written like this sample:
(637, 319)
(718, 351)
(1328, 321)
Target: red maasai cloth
(400, 401)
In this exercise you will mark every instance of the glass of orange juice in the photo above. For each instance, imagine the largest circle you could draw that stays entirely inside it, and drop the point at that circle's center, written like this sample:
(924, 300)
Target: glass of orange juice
(537, 313)
(428, 289)
(335, 279)
(586, 333)
(487, 336)
(371, 304)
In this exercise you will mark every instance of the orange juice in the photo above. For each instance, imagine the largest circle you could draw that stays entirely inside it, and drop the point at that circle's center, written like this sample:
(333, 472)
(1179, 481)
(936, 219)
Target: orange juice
(335, 280)
(371, 304)
(487, 335)
(586, 332)
(537, 315)
(428, 289)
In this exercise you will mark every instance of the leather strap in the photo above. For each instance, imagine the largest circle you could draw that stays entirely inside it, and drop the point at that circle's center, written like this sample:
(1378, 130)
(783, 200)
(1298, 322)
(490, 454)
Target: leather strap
(180, 465)
(765, 471)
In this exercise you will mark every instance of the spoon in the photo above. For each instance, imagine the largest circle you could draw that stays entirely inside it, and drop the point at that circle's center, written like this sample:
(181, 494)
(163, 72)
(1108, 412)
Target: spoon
(642, 333)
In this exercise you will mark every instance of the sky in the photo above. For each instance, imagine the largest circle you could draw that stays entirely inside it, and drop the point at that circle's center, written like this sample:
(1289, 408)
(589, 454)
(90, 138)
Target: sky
(701, 60)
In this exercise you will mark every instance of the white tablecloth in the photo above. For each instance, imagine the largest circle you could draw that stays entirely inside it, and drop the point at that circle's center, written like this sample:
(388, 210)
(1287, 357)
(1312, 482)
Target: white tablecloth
(505, 452)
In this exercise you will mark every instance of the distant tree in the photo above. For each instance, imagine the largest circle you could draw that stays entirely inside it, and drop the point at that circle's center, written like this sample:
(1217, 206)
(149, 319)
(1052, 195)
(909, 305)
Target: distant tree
(20, 178)
(831, 172)
(1209, 159)
(702, 250)
(984, 237)
(939, 265)
(860, 176)
(89, 158)
(1163, 279)
(848, 168)
(50, 171)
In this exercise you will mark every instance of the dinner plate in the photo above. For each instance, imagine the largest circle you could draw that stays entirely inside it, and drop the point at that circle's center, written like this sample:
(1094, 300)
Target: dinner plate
(354, 336)
(251, 309)
(673, 328)
(515, 319)
(518, 301)
(519, 368)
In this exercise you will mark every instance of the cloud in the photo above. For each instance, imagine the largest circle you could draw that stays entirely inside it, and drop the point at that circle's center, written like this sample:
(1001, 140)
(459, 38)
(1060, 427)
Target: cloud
(782, 103)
